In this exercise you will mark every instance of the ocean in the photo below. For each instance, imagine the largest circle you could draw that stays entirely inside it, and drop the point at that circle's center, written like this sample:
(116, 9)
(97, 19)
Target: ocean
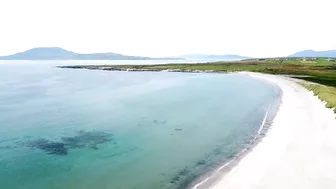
(89, 129)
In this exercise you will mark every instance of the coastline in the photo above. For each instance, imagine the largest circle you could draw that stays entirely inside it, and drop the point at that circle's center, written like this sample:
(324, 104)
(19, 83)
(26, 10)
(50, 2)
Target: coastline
(298, 151)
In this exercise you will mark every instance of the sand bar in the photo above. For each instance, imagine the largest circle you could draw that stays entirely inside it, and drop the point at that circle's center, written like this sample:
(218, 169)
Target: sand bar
(299, 150)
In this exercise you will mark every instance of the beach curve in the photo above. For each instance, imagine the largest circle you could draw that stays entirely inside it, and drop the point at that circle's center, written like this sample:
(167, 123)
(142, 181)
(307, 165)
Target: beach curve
(299, 150)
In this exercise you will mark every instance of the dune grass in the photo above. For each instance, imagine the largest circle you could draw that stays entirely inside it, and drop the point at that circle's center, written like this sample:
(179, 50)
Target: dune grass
(325, 93)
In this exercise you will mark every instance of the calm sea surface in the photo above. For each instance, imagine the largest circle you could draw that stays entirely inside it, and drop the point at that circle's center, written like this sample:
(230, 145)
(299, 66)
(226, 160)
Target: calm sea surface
(84, 129)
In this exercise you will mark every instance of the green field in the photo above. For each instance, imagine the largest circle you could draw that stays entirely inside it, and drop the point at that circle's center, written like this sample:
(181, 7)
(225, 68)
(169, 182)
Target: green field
(315, 70)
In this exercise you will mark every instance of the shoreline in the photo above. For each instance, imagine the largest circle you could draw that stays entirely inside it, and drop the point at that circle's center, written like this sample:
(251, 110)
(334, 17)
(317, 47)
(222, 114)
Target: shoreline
(102, 68)
(298, 150)
(211, 178)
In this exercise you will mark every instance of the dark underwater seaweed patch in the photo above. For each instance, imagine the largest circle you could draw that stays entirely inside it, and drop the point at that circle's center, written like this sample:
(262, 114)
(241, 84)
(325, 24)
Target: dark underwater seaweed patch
(181, 175)
(186, 181)
(210, 161)
(49, 147)
(159, 122)
(87, 139)
(184, 171)
(81, 140)
(200, 162)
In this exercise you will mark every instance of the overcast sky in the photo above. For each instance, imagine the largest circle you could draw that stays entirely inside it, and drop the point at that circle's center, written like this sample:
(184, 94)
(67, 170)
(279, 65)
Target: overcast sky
(256, 28)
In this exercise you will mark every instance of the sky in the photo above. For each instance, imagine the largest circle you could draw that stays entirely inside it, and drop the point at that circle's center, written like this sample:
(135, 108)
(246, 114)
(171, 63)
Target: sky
(159, 28)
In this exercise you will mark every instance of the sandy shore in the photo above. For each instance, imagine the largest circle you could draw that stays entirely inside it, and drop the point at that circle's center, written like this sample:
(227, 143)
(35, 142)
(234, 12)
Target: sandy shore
(299, 150)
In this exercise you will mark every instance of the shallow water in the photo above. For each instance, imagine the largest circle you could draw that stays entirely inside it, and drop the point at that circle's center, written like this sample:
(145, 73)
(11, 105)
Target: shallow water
(64, 128)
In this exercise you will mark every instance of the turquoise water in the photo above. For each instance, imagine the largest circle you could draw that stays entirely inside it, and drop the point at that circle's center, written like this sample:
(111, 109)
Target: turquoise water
(64, 128)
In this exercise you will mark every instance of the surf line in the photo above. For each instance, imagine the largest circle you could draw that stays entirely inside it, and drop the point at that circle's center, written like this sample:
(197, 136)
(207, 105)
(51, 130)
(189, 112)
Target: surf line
(262, 125)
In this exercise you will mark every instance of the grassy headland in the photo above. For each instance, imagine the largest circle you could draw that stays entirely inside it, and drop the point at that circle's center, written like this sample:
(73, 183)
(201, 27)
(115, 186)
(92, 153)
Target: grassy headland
(321, 71)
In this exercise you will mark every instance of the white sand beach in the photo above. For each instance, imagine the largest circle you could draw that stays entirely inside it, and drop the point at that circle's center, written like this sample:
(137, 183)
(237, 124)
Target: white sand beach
(298, 151)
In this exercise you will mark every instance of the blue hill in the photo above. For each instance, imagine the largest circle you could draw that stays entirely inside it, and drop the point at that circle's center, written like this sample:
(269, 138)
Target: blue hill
(56, 53)
(312, 53)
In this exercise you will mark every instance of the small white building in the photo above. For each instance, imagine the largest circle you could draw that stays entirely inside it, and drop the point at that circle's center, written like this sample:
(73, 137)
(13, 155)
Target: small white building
(330, 60)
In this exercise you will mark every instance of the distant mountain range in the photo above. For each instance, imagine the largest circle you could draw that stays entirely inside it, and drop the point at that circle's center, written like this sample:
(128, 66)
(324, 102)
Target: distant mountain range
(56, 53)
(212, 57)
(312, 53)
